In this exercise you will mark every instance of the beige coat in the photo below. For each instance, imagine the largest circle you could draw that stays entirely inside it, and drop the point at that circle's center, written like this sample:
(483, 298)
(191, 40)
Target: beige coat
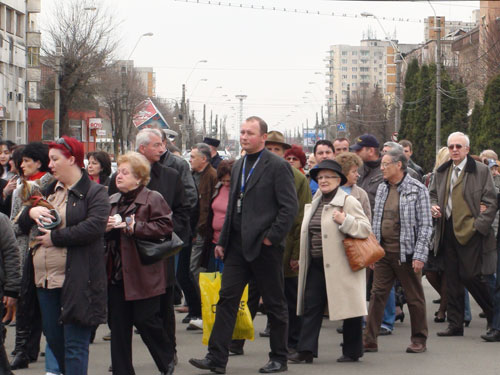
(346, 290)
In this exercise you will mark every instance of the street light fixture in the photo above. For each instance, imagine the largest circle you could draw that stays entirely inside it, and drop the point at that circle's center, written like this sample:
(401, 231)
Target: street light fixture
(194, 67)
(137, 43)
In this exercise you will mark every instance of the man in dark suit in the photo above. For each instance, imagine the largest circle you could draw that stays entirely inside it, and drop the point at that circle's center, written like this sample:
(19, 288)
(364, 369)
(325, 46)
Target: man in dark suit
(463, 230)
(261, 210)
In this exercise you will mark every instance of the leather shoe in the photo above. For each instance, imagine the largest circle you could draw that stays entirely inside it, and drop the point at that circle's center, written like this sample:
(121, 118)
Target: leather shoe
(20, 361)
(340, 330)
(416, 347)
(450, 331)
(299, 357)
(207, 364)
(492, 335)
(265, 333)
(370, 348)
(345, 358)
(384, 331)
(273, 366)
(236, 351)
(170, 369)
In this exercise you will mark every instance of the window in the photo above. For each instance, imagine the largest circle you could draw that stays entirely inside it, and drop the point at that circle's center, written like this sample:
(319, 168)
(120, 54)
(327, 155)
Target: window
(364, 61)
(354, 76)
(9, 20)
(354, 61)
(2, 17)
(48, 130)
(343, 84)
(344, 53)
(354, 53)
(19, 24)
(33, 56)
(365, 76)
(364, 69)
(344, 68)
(344, 76)
(354, 69)
(354, 84)
(365, 53)
(344, 61)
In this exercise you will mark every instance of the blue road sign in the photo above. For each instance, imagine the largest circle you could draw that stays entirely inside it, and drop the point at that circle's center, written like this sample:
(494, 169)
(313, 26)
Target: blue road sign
(341, 127)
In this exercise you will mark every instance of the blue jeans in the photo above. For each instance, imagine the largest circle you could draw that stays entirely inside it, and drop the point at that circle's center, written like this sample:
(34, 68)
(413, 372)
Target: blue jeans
(69, 342)
(467, 313)
(496, 296)
(390, 311)
(51, 364)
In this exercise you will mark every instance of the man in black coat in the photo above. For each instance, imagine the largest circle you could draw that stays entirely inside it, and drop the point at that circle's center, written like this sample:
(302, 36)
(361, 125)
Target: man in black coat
(215, 158)
(11, 280)
(262, 207)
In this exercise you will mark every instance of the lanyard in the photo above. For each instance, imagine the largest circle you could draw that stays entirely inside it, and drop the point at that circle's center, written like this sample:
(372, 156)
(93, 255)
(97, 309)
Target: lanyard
(243, 180)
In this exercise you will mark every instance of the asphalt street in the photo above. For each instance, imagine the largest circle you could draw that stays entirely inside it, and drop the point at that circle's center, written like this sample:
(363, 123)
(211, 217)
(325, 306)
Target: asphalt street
(445, 355)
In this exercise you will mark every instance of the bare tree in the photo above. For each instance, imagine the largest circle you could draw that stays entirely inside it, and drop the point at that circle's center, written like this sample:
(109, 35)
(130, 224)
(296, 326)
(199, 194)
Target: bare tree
(121, 93)
(82, 37)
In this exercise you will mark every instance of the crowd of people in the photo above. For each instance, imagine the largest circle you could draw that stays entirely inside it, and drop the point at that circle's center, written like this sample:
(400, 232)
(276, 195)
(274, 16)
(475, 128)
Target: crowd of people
(274, 219)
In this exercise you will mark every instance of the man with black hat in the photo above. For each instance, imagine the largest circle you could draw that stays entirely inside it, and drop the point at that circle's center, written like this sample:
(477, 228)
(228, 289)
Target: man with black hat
(370, 175)
(213, 143)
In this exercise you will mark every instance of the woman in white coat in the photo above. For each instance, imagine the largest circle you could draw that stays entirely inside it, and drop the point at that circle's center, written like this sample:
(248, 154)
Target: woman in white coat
(325, 277)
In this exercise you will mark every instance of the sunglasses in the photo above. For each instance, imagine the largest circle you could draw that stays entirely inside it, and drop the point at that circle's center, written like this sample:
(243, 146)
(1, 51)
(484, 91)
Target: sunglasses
(457, 146)
(61, 141)
(292, 158)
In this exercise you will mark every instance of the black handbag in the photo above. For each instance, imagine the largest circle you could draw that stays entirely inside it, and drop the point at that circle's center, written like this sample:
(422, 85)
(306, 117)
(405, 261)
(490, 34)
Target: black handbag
(153, 251)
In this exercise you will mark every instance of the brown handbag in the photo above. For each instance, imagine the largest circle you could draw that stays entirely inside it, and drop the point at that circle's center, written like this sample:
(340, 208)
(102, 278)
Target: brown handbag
(362, 252)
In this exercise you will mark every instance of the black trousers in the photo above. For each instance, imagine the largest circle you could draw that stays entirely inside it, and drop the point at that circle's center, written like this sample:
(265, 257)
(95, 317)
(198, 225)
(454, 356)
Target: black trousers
(186, 282)
(267, 271)
(145, 315)
(4, 361)
(314, 307)
(168, 316)
(28, 315)
(463, 268)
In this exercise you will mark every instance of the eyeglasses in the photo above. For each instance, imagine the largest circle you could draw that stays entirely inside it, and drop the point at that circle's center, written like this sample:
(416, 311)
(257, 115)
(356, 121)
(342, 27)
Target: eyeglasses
(61, 141)
(327, 177)
(457, 146)
(292, 158)
(385, 165)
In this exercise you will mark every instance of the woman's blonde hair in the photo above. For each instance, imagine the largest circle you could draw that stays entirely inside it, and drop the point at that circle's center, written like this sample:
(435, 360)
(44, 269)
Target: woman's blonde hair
(347, 160)
(442, 157)
(141, 168)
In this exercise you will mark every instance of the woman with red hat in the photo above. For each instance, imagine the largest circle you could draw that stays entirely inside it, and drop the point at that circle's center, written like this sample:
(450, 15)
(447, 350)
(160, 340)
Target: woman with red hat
(68, 258)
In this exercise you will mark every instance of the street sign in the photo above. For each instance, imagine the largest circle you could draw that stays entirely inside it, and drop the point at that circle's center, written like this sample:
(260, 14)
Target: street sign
(95, 123)
(341, 127)
(394, 137)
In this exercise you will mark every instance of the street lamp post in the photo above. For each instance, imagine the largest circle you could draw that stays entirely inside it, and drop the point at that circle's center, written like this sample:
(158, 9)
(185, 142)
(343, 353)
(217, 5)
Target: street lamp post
(241, 97)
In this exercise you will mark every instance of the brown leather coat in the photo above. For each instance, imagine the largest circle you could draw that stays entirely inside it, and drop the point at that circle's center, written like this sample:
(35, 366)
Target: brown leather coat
(153, 220)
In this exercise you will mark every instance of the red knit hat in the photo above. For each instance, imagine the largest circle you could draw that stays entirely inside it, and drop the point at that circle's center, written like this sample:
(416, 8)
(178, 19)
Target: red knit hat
(298, 153)
(70, 147)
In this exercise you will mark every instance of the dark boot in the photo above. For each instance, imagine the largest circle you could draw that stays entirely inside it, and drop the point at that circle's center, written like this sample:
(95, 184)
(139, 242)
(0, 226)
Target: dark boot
(5, 368)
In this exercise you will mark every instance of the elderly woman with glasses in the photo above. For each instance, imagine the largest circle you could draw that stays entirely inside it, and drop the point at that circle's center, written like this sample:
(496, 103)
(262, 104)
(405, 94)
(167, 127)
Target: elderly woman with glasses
(325, 277)
(68, 255)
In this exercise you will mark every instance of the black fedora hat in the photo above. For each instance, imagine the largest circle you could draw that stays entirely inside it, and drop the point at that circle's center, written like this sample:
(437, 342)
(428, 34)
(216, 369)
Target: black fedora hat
(331, 165)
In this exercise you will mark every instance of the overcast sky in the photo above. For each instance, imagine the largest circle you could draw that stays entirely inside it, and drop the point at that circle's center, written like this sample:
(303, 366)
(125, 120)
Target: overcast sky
(271, 56)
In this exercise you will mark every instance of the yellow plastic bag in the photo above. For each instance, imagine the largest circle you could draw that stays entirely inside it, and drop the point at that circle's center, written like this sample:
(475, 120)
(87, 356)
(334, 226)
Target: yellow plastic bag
(210, 283)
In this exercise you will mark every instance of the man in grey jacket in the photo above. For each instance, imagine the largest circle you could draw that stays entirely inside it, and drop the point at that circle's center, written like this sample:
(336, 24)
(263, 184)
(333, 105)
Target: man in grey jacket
(10, 280)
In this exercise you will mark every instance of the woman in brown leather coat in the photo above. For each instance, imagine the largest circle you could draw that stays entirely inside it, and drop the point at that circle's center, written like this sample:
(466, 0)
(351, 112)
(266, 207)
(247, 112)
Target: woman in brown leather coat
(135, 289)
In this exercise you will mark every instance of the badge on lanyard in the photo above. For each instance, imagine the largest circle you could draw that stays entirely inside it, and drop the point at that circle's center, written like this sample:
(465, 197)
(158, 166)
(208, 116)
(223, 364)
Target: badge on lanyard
(244, 181)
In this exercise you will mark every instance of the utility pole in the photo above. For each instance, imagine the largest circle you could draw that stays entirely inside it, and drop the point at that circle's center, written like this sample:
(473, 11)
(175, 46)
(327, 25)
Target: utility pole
(57, 93)
(184, 118)
(240, 97)
(397, 108)
(438, 84)
(123, 106)
(204, 120)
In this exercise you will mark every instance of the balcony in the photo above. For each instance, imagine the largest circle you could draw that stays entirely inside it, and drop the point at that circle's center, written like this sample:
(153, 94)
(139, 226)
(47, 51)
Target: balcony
(33, 6)
(33, 39)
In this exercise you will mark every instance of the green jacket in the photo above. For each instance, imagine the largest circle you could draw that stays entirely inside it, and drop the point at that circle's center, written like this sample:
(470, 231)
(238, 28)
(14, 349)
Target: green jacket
(292, 242)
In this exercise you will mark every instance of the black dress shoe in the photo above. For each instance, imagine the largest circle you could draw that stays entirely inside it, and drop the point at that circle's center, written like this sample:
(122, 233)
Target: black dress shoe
(187, 319)
(345, 358)
(450, 331)
(265, 333)
(170, 369)
(207, 364)
(340, 330)
(236, 351)
(299, 357)
(273, 366)
(492, 335)
(20, 361)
